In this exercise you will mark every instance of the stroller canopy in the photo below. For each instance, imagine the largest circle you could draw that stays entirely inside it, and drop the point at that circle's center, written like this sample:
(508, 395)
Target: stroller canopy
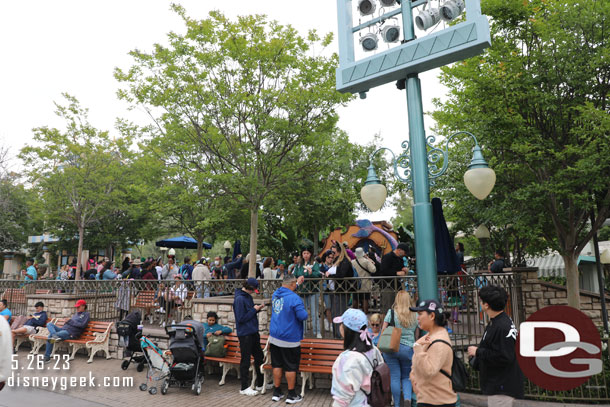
(177, 339)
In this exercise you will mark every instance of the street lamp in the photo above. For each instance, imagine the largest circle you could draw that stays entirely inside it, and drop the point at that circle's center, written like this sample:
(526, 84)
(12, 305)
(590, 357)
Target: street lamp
(403, 61)
(482, 234)
(605, 257)
(227, 246)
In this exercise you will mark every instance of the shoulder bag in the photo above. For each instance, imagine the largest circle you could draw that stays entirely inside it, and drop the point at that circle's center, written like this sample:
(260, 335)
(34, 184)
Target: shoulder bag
(389, 341)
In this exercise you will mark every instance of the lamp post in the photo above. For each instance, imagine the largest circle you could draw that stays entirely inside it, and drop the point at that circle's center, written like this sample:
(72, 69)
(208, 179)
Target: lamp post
(482, 234)
(227, 246)
(403, 62)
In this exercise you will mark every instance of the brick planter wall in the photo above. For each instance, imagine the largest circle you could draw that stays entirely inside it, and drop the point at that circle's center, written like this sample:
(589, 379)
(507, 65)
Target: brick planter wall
(538, 294)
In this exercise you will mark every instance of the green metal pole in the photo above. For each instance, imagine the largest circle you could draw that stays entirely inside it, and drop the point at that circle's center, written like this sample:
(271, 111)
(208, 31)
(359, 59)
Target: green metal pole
(425, 247)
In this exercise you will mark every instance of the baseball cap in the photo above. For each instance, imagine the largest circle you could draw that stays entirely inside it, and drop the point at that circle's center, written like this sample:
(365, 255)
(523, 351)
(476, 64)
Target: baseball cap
(80, 302)
(428, 305)
(254, 283)
(353, 318)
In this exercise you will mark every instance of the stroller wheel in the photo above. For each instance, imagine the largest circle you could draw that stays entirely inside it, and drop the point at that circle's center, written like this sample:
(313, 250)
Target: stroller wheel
(143, 387)
(125, 365)
(197, 387)
(152, 390)
(164, 387)
(140, 367)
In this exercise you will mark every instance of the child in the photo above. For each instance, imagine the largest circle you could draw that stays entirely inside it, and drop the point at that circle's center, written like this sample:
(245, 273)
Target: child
(353, 368)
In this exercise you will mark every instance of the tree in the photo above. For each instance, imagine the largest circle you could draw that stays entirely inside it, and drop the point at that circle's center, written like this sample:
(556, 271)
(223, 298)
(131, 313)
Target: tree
(78, 173)
(14, 209)
(538, 99)
(250, 94)
(404, 211)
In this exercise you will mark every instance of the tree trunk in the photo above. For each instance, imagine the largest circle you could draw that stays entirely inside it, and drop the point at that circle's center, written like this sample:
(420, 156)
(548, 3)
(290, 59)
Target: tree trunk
(79, 252)
(199, 247)
(253, 241)
(572, 284)
(316, 240)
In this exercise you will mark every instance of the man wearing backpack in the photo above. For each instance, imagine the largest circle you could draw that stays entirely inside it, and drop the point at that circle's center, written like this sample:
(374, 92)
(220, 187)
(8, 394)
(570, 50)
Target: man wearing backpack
(186, 270)
(501, 377)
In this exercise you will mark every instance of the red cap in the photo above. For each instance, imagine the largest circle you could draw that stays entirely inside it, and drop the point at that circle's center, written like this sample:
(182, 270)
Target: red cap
(80, 302)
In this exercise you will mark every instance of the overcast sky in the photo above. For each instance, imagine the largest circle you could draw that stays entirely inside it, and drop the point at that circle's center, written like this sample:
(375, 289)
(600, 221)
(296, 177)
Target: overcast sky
(52, 46)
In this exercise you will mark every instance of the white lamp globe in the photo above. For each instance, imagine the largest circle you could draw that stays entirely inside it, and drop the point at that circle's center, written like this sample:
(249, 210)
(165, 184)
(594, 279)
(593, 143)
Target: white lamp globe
(605, 257)
(481, 232)
(480, 181)
(373, 193)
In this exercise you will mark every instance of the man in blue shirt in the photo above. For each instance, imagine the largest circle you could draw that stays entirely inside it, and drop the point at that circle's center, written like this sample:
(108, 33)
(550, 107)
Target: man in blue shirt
(4, 311)
(72, 329)
(37, 320)
(30, 272)
(285, 335)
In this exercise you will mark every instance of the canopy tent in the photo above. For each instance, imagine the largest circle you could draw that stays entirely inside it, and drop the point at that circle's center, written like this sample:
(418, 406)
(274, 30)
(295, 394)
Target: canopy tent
(181, 242)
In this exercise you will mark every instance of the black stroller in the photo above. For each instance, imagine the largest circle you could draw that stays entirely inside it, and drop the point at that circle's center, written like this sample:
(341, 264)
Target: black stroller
(187, 366)
(129, 338)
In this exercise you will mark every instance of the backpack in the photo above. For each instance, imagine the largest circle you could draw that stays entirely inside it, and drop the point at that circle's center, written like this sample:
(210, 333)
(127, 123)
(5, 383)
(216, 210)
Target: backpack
(459, 374)
(216, 347)
(381, 393)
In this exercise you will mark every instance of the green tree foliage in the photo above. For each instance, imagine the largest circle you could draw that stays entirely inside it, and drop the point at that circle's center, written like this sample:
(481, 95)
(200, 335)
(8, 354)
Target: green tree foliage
(538, 100)
(404, 211)
(78, 174)
(251, 95)
(14, 208)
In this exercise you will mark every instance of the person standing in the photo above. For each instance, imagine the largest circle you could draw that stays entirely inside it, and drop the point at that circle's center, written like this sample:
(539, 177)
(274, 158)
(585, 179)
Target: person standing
(186, 270)
(268, 269)
(169, 270)
(6, 351)
(364, 267)
(431, 371)
(30, 273)
(201, 273)
(285, 335)
(399, 363)
(497, 265)
(495, 358)
(246, 327)
(310, 290)
(352, 370)
(392, 265)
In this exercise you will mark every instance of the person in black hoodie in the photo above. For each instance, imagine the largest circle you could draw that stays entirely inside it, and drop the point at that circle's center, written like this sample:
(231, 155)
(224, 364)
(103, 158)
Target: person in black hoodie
(495, 358)
(246, 327)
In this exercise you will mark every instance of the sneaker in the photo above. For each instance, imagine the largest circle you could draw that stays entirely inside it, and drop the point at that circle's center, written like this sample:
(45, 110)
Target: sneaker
(319, 335)
(248, 392)
(277, 396)
(294, 399)
(46, 359)
(55, 339)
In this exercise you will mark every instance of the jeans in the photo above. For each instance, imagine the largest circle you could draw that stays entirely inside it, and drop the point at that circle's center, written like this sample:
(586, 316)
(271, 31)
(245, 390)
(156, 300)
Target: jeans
(54, 331)
(312, 302)
(250, 346)
(400, 368)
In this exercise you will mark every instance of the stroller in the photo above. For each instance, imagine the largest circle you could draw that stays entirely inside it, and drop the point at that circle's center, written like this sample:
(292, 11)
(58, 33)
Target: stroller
(158, 367)
(129, 338)
(185, 345)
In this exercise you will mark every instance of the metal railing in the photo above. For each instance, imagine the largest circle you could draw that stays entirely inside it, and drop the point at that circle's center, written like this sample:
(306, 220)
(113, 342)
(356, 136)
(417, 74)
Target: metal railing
(323, 298)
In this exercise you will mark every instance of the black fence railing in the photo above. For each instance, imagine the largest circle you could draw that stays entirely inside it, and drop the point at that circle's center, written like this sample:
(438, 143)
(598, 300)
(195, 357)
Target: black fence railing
(165, 301)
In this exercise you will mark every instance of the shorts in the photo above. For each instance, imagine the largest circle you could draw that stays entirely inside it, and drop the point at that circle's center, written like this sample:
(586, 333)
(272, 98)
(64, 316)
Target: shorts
(29, 329)
(287, 359)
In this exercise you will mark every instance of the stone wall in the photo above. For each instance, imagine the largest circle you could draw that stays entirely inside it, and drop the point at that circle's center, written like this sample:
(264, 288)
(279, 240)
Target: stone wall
(101, 306)
(223, 306)
(538, 294)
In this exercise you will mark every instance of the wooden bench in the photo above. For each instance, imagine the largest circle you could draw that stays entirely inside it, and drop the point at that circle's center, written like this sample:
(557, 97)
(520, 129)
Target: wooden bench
(146, 301)
(233, 357)
(22, 338)
(40, 338)
(94, 338)
(14, 296)
(317, 356)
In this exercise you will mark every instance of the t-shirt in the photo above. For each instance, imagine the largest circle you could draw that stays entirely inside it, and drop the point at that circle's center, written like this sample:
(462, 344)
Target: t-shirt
(407, 337)
(390, 264)
(31, 273)
(497, 266)
(5, 312)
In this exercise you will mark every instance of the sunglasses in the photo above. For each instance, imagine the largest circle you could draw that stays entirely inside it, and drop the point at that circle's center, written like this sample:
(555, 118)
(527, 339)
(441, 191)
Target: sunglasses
(375, 324)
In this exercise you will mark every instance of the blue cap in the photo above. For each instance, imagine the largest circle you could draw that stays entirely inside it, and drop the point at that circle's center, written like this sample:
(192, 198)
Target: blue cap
(353, 318)
(253, 282)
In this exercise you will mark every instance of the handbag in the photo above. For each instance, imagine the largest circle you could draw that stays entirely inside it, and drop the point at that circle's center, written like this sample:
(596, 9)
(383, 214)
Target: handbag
(216, 347)
(389, 341)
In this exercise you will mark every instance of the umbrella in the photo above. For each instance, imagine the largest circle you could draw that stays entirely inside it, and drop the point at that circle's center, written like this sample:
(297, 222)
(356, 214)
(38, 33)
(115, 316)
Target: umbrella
(236, 249)
(181, 242)
(446, 259)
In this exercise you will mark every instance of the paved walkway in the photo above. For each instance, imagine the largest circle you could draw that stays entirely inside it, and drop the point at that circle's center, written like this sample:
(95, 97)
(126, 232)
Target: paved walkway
(99, 395)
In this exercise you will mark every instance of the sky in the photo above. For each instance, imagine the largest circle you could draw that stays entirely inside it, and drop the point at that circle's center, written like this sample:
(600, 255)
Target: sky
(51, 47)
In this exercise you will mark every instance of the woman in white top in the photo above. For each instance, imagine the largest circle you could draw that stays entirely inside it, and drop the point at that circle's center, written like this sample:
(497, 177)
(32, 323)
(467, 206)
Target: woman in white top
(268, 272)
(353, 368)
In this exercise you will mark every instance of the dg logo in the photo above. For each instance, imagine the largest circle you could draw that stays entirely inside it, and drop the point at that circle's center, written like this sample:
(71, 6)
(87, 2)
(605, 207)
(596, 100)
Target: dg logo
(559, 348)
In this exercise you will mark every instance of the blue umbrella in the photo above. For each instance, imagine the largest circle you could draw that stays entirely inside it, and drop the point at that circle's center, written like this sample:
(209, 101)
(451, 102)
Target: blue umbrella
(446, 259)
(181, 242)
